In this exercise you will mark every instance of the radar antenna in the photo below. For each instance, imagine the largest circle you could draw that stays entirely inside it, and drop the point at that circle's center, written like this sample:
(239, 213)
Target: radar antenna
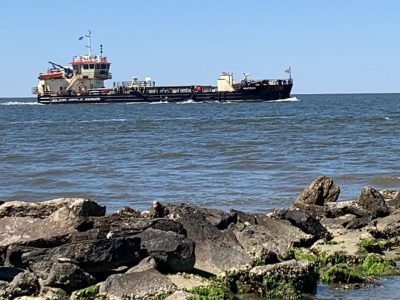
(246, 76)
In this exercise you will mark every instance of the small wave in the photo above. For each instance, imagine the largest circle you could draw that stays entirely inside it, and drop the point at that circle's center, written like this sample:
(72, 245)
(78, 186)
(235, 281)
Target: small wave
(291, 99)
(20, 103)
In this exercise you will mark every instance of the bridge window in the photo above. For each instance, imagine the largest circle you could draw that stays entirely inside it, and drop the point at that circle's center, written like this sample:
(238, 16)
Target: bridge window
(91, 66)
(86, 67)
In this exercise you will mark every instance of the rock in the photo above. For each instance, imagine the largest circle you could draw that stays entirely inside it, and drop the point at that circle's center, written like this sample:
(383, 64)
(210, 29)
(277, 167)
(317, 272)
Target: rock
(127, 212)
(337, 226)
(50, 293)
(77, 207)
(173, 252)
(392, 199)
(344, 246)
(3, 289)
(25, 221)
(184, 281)
(92, 251)
(313, 210)
(24, 284)
(137, 285)
(372, 201)
(302, 274)
(216, 250)
(68, 277)
(180, 295)
(270, 235)
(8, 273)
(320, 191)
(148, 263)
(358, 223)
(386, 227)
(117, 226)
(158, 210)
(306, 223)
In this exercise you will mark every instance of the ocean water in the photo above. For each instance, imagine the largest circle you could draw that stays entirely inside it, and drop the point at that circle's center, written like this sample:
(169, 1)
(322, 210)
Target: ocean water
(246, 156)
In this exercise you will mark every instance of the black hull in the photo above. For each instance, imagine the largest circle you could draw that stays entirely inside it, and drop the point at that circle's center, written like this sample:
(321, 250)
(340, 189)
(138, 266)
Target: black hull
(254, 94)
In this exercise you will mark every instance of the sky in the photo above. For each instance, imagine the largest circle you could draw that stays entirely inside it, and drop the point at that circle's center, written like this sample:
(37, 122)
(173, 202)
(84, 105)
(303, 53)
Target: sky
(335, 46)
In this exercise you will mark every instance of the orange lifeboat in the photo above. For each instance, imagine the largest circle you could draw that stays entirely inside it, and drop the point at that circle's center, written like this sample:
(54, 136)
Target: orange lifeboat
(52, 74)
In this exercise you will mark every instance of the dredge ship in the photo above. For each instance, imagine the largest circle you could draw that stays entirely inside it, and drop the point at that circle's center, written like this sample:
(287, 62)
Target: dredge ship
(83, 82)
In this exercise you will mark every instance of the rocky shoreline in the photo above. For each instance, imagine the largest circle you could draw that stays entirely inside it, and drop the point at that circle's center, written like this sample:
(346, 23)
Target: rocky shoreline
(70, 249)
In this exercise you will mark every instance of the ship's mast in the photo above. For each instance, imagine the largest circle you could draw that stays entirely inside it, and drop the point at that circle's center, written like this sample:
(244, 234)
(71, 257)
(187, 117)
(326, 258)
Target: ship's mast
(89, 41)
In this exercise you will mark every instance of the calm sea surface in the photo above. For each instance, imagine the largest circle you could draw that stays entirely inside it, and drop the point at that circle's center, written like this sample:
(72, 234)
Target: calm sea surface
(247, 156)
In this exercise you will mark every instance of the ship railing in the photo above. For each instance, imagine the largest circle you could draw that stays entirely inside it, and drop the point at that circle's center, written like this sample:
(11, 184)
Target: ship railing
(270, 82)
(133, 84)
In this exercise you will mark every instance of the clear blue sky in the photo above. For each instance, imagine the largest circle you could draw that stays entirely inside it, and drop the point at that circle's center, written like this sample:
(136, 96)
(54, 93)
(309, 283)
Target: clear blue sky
(336, 46)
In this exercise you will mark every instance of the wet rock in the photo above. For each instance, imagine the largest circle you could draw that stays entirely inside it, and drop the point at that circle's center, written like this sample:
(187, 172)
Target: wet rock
(302, 274)
(372, 201)
(321, 191)
(68, 277)
(136, 285)
(24, 284)
(173, 252)
(8, 273)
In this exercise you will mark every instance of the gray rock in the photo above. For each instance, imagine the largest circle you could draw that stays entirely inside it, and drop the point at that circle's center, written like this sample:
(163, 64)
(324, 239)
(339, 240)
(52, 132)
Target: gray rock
(306, 223)
(148, 263)
(372, 201)
(173, 252)
(180, 295)
(216, 250)
(91, 251)
(68, 277)
(24, 284)
(137, 285)
(386, 227)
(3, 289)
(77, 207)
(320, 191)
(271, 235)
(302, 274)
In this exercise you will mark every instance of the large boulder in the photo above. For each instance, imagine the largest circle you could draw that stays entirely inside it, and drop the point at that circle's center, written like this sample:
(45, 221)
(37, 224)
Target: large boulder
(270, 236)
(306, 223)
(24, 284)
(76, 206)
(372, 201)
(146, 284)
(25, 221)
(321, 191)
(173, 252)
(216, 250)
(386, 227)
(92, 251)
(302, 274)
(68, 277)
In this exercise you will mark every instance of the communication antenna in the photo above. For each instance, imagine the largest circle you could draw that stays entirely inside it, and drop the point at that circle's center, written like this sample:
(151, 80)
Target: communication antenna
(89, 41)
